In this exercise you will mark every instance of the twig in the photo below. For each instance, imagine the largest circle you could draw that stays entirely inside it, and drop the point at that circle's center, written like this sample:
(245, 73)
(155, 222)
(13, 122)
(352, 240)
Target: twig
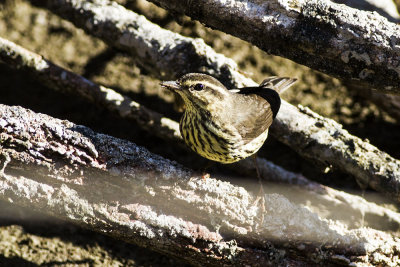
(168, 54)
(115, 187)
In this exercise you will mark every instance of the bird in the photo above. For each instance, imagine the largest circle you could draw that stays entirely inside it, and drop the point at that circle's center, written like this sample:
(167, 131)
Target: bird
(227, 125)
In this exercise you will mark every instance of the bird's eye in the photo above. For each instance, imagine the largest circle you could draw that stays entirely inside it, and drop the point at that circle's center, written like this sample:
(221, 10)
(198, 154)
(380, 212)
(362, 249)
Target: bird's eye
(198, 87)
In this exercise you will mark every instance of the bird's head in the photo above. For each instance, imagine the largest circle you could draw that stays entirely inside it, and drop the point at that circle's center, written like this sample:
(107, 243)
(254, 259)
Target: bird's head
(198, 90)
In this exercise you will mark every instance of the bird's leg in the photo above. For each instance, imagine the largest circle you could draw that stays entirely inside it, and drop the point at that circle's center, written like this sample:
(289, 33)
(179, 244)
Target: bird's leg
(261, 193)
(204, 173)
(363, 185)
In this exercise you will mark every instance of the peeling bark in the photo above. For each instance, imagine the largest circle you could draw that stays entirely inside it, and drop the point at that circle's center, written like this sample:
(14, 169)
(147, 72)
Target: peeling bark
(115, 187)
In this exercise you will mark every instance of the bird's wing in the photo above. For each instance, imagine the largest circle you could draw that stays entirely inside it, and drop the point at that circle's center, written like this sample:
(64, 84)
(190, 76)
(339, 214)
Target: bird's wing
(256, 107)
(252, 116)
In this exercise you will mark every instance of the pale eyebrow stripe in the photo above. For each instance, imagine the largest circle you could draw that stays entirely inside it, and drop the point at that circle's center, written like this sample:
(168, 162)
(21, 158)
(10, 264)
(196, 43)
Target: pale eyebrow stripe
(211, 85)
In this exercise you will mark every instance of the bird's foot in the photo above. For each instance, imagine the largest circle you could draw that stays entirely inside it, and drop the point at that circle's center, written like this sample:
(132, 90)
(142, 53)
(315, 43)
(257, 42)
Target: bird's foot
(260, 200)
(205, 175)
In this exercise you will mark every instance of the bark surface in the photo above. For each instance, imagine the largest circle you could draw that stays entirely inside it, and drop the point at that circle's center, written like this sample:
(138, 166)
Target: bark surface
(335, 39)
(115, 187)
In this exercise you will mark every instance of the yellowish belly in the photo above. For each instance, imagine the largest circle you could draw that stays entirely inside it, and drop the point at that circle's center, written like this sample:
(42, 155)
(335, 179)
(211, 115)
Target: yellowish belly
(224, 147)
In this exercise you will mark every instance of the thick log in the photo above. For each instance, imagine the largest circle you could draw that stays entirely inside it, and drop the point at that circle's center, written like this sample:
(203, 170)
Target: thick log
(115, 187)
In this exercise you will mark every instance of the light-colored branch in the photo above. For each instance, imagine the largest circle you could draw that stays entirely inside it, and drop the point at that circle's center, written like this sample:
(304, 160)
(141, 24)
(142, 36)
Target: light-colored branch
(64, 81)
(115, 187)
(324, 138)
(163, 53)
(169, 55)
(335, 39)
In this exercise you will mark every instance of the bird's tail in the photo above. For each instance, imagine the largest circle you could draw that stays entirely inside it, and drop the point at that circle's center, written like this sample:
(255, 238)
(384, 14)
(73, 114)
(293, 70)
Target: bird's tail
(279, 84)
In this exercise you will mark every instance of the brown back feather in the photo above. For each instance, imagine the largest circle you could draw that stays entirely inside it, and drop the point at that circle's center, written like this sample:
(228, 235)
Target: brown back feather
(256, 107)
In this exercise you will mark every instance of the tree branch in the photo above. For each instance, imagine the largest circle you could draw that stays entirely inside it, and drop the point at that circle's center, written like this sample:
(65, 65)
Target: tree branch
(335, 39)
(169, 55)
(62, 80)
(115, 187)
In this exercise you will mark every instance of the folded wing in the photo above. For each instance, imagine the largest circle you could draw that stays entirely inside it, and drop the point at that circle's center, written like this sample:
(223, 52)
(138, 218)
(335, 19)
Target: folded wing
(256, 107)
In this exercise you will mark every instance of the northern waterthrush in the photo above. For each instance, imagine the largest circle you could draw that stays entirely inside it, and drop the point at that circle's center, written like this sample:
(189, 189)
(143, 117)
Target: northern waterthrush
(227, 125)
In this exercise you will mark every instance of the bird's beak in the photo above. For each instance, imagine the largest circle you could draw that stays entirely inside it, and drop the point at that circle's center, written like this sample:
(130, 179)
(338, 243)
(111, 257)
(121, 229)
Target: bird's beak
(171, 85)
